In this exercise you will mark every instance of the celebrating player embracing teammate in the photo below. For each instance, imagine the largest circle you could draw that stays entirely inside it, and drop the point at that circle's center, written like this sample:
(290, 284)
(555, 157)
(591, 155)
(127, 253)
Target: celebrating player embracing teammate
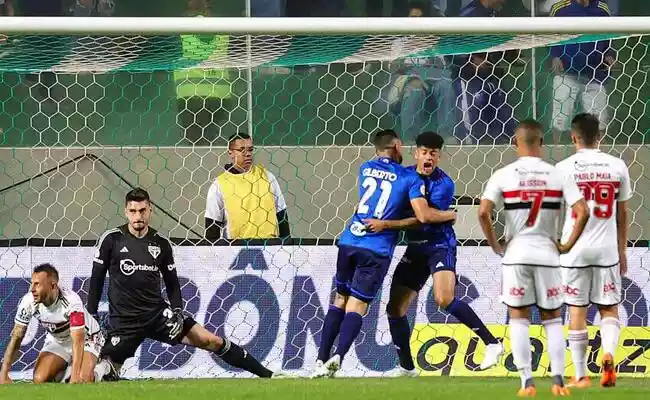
(592, 269)
(135, 256)
(532, 192)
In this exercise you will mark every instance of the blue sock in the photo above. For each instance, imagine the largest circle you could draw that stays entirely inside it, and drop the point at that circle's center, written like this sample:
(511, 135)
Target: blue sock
(350, 328)
(331, 328)
(464, 313)
(401, 333)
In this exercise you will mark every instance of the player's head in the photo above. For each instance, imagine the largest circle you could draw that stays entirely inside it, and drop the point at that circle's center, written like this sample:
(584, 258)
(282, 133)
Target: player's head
(493, 4)
(388, 144)
(137, 207)
(45, 282)
(240, 151)
(428, 146)
(529, 137)
(197, 7)
(585, 130)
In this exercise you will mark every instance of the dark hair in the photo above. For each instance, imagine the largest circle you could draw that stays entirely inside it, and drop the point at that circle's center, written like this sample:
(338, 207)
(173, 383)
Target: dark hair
(238, 136)
(383, 139)
(534, 131)
(137, 194)
(587, 127)
(420, 5)
(48, 269)
(430, 140)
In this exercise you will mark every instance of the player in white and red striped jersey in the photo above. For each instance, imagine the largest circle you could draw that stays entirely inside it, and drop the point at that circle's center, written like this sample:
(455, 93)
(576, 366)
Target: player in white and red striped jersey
(592, 269)
(531, 191)
(73, 336)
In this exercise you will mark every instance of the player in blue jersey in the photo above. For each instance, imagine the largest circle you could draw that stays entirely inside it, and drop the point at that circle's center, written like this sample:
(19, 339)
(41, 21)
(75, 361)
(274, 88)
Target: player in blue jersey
(386, 191)
(431, 251)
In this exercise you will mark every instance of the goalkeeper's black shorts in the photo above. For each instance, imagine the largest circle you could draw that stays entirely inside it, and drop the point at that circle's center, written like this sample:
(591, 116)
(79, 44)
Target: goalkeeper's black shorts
(124, 337)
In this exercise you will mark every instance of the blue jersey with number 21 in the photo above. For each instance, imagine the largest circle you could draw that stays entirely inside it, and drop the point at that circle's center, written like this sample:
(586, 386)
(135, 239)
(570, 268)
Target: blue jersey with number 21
(386, 189)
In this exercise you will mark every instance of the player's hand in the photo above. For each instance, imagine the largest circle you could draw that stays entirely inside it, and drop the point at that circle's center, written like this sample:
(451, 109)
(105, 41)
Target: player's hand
(5, 380)
(610, 61)
(175, 323)
(499, 250)
(622, 263)
(556, 66)
(562, 248)
(374, 225)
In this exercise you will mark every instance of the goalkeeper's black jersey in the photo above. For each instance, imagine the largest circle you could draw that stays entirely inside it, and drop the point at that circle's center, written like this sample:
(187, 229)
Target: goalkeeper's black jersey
(134, 266)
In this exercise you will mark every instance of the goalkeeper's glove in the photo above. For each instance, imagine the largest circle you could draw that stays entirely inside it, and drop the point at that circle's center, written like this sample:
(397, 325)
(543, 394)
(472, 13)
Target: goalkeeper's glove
(175, 323)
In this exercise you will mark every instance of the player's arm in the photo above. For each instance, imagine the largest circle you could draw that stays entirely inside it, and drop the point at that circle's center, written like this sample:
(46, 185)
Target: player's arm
(17, 335)
(100, 266)
(578, 205)
(173, 288)
(214, 213)
(624, 194)
(284, 231)
(427, 215)
(378, 225)
(78, 336)
(492, 195)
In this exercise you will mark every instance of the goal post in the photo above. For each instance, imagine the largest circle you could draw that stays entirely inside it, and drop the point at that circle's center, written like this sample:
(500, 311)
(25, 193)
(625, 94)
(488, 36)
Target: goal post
(91, 107)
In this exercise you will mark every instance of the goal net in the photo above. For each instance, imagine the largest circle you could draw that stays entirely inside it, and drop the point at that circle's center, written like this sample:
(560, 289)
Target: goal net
(85, 118)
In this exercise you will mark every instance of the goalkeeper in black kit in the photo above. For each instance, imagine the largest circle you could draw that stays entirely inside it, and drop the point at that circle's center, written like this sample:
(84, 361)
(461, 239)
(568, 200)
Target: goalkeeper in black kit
(135, 256)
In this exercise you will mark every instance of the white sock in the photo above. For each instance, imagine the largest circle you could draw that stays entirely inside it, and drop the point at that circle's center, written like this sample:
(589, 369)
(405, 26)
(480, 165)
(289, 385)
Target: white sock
(578, 342)
(555, 345)
(610, 329)
(102, 368)
(520, 344)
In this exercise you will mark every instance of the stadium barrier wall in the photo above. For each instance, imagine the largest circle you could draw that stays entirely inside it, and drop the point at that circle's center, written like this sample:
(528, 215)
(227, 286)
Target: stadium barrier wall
(83, 199)
(273, 300)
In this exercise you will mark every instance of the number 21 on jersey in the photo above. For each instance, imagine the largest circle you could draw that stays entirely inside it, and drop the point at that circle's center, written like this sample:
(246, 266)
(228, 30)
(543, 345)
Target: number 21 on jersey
(370, 186)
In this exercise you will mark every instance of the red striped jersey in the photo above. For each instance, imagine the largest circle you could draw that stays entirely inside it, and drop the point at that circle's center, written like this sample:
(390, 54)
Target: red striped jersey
(603, 180)
(531, 191)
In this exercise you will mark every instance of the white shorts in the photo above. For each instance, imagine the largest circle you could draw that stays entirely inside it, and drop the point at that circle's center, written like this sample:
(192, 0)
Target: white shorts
(93, 346)
(527, 285)
(597, 285)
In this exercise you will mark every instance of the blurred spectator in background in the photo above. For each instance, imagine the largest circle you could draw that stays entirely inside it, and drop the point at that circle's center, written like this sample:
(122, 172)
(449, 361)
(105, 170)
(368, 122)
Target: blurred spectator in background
(581, 70)
(202, 94)
(268, 8)
(245, 199)
(7, 8)
(485, 114)
(423, 86)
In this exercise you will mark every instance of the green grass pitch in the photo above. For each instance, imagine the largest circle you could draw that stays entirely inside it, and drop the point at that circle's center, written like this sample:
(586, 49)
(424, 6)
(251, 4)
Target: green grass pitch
(429, 388)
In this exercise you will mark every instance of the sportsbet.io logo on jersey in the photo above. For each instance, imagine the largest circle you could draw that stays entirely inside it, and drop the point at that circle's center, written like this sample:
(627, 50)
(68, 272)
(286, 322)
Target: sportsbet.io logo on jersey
(128, 267)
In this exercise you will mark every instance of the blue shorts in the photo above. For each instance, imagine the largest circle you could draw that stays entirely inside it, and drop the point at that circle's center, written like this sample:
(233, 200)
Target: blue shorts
(360, 272)
(420, 262)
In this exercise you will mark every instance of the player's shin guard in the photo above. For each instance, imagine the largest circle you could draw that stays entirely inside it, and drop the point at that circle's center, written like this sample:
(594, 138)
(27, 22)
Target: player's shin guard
(240, 358)
(555, 346)
(466, 315)
(610, 329)
(350, 328)
(331, 328)
(401, 334)
(520, 343)
(578, 342)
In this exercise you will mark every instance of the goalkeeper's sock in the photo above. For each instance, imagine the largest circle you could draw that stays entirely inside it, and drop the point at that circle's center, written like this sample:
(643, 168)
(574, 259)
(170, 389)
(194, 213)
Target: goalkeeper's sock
(331, 328)
(350, 328)
(237, 357)
(466, 315)
(555, 345)
(610, 329)
(578, 342)
(401, 333)
(520, 344)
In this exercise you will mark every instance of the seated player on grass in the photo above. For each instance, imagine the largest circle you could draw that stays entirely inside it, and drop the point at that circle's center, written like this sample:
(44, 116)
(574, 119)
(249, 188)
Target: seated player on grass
(73, 337)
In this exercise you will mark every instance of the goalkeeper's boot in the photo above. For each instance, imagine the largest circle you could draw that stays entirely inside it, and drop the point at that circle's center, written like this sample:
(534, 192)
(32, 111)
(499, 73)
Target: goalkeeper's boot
(407, 372)
(609, 371)
(493, 354)
(320, 371)
(582, 383)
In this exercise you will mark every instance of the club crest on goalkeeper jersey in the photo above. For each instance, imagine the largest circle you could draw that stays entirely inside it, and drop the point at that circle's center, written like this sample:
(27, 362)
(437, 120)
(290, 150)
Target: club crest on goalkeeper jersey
(385, 191)
(439, 188)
